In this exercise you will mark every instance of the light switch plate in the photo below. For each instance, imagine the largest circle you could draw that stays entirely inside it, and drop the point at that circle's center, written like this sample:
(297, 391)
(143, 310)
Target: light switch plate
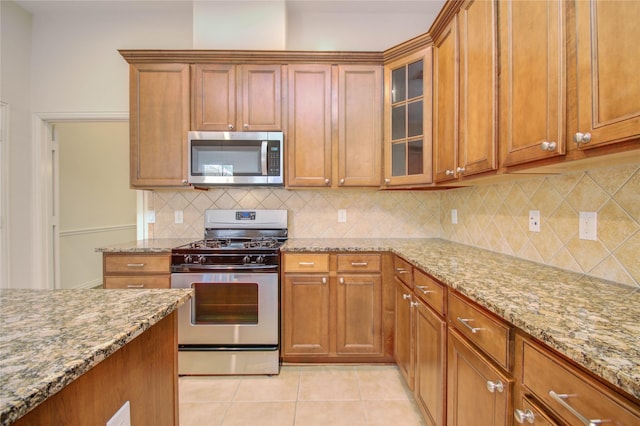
(179, 218)
(151, 216)
(454, 216)
(534, 220)
(588, 227)
(342, 215)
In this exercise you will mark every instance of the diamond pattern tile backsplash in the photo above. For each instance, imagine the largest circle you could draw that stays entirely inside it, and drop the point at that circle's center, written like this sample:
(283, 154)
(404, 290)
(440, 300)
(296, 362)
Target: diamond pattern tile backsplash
(493, 217)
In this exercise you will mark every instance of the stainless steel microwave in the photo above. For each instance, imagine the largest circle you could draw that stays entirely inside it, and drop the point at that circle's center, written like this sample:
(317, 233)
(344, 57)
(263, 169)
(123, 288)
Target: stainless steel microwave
(236, 158)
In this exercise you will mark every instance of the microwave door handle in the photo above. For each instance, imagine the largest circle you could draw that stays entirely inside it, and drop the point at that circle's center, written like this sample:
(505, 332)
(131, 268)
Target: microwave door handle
(263, 158)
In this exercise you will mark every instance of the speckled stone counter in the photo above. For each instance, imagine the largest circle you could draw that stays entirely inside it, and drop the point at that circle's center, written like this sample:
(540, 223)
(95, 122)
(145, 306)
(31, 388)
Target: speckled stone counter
(160, 245)
(48, 338)
(592, 321)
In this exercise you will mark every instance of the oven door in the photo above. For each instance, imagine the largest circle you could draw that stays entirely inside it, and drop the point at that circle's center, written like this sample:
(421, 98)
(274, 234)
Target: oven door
(228, 309)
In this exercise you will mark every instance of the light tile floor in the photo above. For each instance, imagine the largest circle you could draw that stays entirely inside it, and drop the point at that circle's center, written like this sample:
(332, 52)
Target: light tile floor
(364, 395)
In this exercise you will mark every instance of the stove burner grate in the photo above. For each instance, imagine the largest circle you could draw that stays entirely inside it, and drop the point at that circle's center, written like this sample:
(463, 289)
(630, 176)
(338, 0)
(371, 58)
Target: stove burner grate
(262, 242)
(210, 244)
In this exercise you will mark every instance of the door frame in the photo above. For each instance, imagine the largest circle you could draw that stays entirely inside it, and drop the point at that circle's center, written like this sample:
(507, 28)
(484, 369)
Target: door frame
(5, 264)
(46, 235)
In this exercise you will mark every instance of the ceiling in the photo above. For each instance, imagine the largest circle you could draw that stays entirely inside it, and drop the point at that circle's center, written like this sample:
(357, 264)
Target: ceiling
(429, 7)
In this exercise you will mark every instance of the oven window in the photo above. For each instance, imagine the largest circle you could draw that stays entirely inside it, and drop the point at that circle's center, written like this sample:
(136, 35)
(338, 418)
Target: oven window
(225, 303)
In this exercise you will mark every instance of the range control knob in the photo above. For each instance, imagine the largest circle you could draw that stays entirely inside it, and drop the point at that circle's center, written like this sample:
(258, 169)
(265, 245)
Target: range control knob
(202, 260)
(260, 259)
(188, 258)
(246, 260)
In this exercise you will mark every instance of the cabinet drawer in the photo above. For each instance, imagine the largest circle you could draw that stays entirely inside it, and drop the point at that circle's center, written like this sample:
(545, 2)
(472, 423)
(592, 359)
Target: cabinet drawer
(489, 334)
(358, 263)
(135, 263)
(429, 291)
(403, 270)
(551, 380)
(138, 281)
(306, 262)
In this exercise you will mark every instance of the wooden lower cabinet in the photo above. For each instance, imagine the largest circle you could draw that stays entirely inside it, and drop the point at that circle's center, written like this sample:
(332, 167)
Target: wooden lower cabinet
(136, 270)
(430, 364)
(336, 310)
(478, 393)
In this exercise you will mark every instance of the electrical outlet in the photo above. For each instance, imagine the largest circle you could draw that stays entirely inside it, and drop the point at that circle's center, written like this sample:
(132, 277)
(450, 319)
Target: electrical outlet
(122, 417)
(588, 227)
(151, 216)
(534, 220)
(454, 216)
(179, 218)
(342, 215)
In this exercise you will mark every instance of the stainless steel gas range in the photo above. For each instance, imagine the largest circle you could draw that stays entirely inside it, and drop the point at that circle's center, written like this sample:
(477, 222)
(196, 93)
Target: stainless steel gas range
(231, 325)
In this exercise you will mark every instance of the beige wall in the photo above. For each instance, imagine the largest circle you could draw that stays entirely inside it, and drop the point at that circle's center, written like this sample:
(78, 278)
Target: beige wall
(496, 218)
(97, 208)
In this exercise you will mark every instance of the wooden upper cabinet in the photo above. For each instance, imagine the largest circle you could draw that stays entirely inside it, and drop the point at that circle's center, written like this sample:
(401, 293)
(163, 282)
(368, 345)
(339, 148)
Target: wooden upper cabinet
(445, 103)
(407, 119)
(158, 123)
(309, 137)
(532, 80)
(608, 87)
(237, 98)
(359, 125)
(477, 124)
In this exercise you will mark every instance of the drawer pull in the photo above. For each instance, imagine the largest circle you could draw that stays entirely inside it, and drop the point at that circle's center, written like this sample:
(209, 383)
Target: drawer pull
(406, 296)
(306, 263)
(341, 280)
(560, 399)
(524, 416)
(324, 280)
(135, 265)
(497, 386)
(402, 271)
(135, 285)
(359, 263)
(414, 304)
(465, 322)
(424, 290)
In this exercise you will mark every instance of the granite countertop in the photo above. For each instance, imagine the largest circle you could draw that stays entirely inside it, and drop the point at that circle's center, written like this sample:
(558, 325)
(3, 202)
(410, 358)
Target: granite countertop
(159, 245)
(592, 321)
(48, 338)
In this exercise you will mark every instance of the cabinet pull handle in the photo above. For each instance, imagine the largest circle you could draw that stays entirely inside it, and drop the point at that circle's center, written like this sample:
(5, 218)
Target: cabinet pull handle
(582, 138)
(465, 322)
(414, 304)
(135, 265)
(306, 263)
(341, 280)
(406, 296)
(327, 182)
(230, 126)
(324, 280)
(560, 398)
(359, 263)
(524, 416)
(548, 146)
(460, 169)
(135, 285)
(495, 386)
(449, 173)
(402, 271)
(424, 289)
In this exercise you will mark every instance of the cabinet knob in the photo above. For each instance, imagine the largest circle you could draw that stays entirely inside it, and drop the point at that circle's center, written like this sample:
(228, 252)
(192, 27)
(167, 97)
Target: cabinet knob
(185, 182)
(387, 181)
(246, 126)
(324, 280)
(495, 386)
(449, 173)
(524, 416)
(327, 182)
(406, 296)
(341, 181)
(230, 126)
(413, 304)
(548, 146)
(460, 170)
(582, 138)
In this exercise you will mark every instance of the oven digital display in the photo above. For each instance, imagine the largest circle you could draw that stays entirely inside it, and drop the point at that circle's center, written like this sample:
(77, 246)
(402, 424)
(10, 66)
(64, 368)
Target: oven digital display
(245, 215)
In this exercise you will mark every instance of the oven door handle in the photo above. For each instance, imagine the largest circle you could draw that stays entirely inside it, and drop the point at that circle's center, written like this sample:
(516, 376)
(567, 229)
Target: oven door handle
(194, 268)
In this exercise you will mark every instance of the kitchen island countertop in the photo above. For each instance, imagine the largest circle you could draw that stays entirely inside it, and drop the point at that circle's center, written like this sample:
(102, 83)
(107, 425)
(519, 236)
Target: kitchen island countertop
(48, 338)
(589, 320)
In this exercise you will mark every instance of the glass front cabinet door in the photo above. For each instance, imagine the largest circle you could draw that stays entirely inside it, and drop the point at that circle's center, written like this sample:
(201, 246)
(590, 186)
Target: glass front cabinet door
(408, 120)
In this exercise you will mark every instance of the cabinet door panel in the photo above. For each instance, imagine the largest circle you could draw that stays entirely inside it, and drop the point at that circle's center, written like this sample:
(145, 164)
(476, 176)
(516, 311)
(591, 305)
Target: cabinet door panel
(260, 97)
(445, 104)
(533, 79)
(359, 314)
(469, 401)
(214, 97)
(608, 60)
(431, 371)
(403, 332)
(359, 125)
(478, 87)
(305, 314)
(309, 138)
(159, 124)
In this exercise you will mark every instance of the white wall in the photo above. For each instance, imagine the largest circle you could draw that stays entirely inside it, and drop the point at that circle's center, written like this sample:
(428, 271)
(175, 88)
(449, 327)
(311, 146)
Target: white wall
(15, 36)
